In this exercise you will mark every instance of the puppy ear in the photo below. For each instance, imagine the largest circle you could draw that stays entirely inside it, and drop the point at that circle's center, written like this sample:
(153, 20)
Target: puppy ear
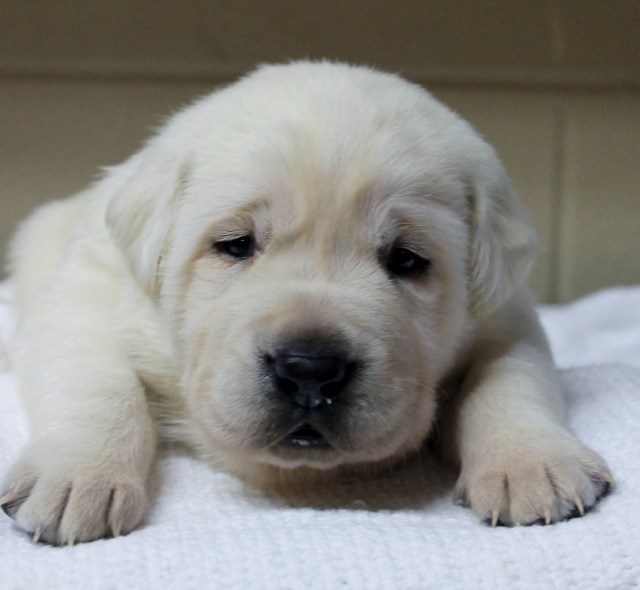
(145, 191)
(503, 241)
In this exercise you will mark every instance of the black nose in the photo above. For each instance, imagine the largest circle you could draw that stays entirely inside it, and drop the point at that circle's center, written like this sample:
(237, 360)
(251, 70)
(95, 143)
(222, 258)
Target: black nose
(310, 380)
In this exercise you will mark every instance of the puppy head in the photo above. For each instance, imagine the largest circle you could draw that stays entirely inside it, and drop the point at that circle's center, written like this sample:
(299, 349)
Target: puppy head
(319, 237)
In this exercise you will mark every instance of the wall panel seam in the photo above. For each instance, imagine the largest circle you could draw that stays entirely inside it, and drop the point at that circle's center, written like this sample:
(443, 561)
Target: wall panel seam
(557, 220)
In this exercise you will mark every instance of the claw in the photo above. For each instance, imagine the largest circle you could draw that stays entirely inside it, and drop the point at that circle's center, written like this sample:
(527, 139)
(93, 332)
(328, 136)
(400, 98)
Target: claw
(37, 535)
(579, 506)
(547, 516)
(116, 530)
(71, 542)
(494, 518)
(7, 499)
(608, 478)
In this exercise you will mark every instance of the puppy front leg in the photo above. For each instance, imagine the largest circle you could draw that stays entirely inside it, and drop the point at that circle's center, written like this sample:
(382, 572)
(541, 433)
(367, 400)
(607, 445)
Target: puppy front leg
(519, 462)
(83, 473)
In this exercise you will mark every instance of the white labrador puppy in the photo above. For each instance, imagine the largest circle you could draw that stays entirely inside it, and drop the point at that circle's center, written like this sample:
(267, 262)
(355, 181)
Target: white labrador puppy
(296, 274)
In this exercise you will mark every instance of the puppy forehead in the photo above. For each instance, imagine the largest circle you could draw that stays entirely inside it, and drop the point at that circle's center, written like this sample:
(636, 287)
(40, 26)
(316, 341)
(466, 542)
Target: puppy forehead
(319, 173)
(325, 141)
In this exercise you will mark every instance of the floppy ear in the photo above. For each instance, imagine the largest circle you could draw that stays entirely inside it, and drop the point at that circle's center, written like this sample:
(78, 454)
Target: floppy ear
(140, 210)
(503, 241)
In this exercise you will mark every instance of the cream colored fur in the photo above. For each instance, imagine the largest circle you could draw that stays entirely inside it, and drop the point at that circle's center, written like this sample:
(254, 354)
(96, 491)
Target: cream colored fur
(134, 326)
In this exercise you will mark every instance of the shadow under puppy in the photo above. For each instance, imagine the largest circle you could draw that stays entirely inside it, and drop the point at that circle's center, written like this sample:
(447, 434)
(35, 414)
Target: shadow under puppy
(287, 276)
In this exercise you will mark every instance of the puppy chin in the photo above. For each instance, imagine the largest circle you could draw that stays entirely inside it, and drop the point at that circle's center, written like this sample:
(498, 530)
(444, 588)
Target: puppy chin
(306, 461)
(289, 475)
(291, 459)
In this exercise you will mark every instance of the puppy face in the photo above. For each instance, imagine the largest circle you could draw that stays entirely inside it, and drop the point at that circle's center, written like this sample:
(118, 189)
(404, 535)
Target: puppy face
(315, 326)
(316, 256)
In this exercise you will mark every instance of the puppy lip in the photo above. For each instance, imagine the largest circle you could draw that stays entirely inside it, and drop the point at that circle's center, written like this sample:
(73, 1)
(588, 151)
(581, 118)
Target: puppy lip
(305, 437)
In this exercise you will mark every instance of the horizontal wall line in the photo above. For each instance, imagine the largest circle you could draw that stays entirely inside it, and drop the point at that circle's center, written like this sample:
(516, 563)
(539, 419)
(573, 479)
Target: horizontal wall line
(131, 70)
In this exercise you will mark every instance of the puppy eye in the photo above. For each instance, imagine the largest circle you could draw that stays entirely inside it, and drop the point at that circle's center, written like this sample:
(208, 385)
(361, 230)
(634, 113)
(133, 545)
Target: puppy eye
(240, 248)
(404, 262)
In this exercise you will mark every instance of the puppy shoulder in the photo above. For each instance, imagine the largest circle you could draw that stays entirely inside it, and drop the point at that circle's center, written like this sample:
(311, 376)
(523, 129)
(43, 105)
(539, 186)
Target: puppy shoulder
(513, 330)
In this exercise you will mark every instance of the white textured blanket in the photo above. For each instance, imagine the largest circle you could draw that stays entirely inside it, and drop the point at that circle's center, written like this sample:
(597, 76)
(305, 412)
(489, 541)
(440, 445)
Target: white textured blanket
(399, 531)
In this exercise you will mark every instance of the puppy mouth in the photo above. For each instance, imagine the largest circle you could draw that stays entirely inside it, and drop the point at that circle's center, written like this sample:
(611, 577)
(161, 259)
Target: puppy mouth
(305, 437)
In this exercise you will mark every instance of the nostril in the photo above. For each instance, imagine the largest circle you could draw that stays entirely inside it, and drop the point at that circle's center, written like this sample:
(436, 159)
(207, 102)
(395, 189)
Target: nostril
(332, 388)
(283, 384)
(309, 380)
(286, 385)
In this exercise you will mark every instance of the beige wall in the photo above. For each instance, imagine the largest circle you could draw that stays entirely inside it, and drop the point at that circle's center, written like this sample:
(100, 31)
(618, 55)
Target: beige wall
(554, 85)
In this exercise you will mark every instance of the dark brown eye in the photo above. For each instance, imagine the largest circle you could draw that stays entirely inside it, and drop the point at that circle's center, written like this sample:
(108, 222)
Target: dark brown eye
(240, 248)
(404, 262)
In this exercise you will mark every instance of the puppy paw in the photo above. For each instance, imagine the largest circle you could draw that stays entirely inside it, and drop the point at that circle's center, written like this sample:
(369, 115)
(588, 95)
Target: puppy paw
(63, 501)
(534, 486)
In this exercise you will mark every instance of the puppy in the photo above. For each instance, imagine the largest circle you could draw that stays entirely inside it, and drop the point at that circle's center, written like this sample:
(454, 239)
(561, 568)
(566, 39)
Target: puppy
(298, 273)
